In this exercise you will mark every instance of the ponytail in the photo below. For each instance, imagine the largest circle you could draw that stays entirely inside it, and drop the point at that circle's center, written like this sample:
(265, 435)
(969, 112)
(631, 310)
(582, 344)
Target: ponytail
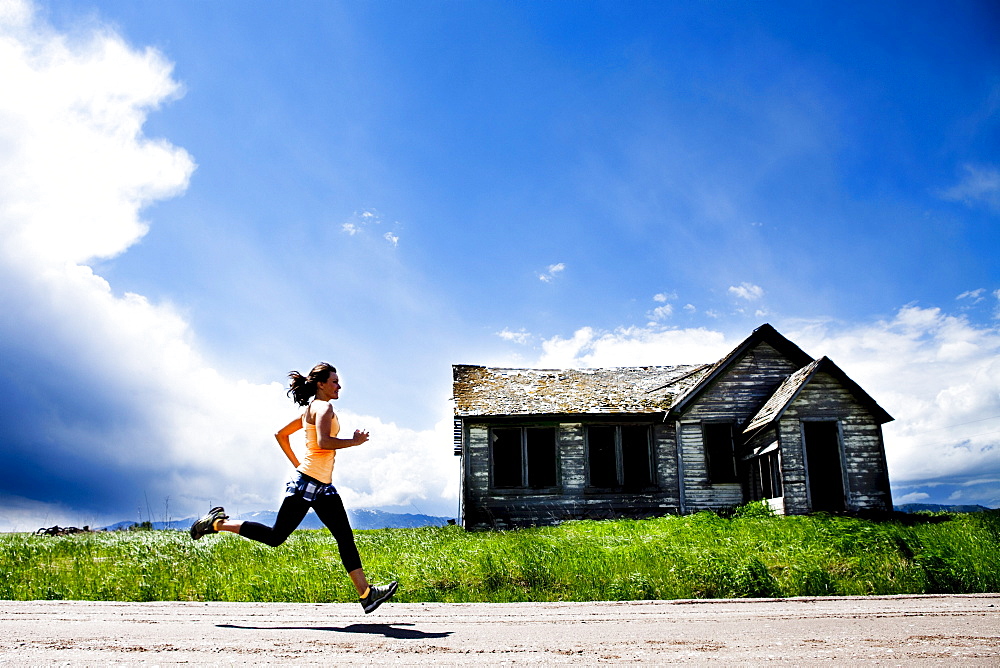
(303, 388)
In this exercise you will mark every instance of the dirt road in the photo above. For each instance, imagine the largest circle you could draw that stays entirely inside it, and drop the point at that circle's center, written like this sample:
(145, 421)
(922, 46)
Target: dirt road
(889, 631)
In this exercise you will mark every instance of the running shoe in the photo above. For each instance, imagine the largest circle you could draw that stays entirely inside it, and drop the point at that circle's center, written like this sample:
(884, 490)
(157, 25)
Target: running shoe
(206, 524)
(377, 596)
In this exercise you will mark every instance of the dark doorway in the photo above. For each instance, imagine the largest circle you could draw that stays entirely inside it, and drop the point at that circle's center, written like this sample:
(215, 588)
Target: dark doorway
(826, 476)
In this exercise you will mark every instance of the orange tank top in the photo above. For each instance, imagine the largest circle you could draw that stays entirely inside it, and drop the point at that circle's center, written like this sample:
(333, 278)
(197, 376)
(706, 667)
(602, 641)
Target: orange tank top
(318, 463)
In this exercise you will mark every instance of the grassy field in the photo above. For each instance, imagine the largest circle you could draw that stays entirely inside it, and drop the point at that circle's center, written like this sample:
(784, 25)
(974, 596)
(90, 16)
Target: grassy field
(696, 556)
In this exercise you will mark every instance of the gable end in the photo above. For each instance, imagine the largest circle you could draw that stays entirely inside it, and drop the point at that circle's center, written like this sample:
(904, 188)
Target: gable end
(763, 334)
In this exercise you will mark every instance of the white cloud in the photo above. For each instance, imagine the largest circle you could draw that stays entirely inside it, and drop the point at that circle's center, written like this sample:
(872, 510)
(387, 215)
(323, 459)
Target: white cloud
(75, 173)
(520, 336)
(398, 467)
(912, 497)
(747, 291)
(15, 13)
(72, 115)
(979, 185)
(553, 271)
(633, 346)
(975, 295)
(360, 220)
(660, 313)
(938, 375)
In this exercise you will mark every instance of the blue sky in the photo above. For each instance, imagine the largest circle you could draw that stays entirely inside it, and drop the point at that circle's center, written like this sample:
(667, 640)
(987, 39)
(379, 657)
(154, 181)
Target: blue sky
(197, 197)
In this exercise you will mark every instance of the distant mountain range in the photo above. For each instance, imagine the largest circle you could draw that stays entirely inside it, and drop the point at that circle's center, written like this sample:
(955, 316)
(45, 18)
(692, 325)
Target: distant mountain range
(360, 519)
(938, 508)
(378, 519)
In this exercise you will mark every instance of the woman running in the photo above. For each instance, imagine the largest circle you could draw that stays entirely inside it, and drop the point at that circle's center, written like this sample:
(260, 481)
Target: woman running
(311, 486)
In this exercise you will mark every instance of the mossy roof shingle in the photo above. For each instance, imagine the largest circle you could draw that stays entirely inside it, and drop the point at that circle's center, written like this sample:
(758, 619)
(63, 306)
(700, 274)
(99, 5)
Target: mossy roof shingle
(480, 390)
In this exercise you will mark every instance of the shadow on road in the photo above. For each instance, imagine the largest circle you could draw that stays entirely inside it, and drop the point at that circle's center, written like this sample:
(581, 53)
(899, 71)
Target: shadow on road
(387, 630)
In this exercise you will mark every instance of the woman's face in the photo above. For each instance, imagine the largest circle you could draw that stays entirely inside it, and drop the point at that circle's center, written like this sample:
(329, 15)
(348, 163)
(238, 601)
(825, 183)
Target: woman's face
(331, 387)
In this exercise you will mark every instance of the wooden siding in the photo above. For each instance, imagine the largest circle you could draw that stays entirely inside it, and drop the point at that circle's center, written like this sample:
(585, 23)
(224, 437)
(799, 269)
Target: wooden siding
(744, 388)
(485, 507)
(733, 397)
(699, 492)
(867, 477)
(572, 459)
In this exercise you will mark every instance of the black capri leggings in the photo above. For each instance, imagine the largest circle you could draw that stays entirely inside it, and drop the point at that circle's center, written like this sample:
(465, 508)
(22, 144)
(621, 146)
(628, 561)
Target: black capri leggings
(329, 508)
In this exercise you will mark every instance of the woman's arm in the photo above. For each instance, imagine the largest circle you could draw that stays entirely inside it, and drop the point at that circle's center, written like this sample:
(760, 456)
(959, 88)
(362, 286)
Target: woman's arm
(324, 420)
(282, 437)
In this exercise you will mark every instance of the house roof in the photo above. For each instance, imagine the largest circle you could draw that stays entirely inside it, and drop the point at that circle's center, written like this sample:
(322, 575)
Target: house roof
(481, 391)
(778, 403)
(486, 391)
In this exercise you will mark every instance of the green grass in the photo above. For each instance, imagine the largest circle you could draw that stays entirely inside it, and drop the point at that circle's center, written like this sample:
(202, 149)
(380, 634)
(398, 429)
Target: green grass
(696, 556)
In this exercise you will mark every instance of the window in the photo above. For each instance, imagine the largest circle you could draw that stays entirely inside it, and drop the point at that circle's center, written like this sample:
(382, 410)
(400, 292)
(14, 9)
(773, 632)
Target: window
(619, 456)
(523, 456)
(719, 455)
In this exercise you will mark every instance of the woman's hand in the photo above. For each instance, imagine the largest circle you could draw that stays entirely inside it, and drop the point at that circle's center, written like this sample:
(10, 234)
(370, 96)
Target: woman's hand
(360, 437)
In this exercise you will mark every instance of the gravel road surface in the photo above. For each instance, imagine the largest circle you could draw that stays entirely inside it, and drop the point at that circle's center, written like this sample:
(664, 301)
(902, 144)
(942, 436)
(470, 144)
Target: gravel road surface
(876, 630)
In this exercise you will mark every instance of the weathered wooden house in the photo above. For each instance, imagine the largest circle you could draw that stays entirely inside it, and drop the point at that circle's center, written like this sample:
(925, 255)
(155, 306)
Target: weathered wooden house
(767, 421)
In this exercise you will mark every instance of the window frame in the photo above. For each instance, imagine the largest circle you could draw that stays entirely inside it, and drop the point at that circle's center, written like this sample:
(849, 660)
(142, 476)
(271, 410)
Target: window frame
(619, 456)
(771, 462)
(710, 470)
(843, 499)
(524, 485)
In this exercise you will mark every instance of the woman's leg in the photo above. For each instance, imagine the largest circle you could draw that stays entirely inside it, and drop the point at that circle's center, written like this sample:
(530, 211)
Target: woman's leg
(290, 515)
(330, 510)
